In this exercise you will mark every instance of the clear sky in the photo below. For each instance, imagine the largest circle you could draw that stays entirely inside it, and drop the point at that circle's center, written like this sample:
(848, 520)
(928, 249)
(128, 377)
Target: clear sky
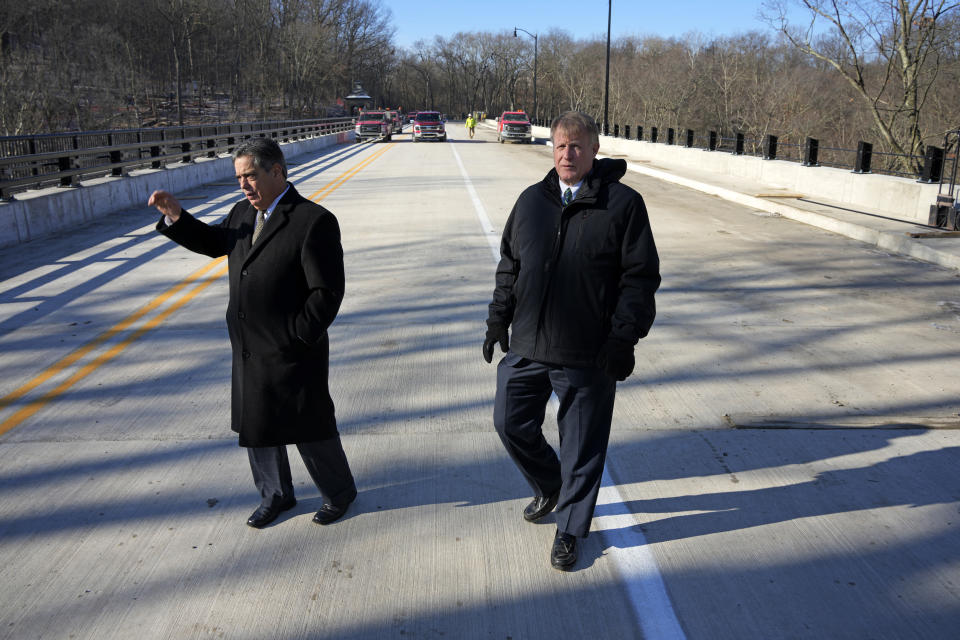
(415, 19)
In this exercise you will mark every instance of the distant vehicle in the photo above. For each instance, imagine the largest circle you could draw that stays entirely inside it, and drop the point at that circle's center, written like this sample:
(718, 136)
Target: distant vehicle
(428, 125)
(397, 121)
(514, 126)
(411, 117)
(374, 125)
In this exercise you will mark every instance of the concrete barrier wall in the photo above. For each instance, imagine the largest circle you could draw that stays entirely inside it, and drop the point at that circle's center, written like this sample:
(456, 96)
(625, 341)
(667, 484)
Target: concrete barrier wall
(34, 214)
(900, 198)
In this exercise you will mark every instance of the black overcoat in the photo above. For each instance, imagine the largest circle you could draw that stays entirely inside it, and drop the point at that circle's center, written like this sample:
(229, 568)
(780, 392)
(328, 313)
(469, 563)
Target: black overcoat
(285, 292)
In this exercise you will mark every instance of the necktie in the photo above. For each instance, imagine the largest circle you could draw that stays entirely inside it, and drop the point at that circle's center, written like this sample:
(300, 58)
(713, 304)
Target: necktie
(258, 227)
(567, 196)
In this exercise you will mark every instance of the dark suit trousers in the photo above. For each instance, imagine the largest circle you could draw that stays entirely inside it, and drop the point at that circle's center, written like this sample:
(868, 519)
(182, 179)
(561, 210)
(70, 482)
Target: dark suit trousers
(325, 461)
(586, 409)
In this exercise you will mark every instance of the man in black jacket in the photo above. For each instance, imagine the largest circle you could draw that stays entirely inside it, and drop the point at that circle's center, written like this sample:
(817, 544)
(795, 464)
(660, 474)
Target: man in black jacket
(286, 285)
(575, 285)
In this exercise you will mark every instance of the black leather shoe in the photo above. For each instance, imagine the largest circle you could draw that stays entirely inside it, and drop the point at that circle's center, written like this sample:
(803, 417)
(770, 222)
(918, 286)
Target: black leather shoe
(330, 513)
(540, 506)
(564, 553)
(265, 515)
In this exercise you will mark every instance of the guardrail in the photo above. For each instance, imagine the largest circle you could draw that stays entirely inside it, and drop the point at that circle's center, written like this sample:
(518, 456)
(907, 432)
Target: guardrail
(63, 159)
(809, 153)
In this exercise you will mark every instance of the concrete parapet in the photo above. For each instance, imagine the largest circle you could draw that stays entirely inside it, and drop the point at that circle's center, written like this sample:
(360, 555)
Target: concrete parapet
(34, 214)
(900, 198)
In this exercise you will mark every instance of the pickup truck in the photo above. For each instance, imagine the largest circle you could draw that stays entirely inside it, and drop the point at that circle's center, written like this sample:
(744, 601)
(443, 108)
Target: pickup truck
(428, 125)
(514, 125)
(374, 125)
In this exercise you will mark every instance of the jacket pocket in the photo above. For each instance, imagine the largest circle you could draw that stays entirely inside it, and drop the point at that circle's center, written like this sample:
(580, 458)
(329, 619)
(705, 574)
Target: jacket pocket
(596, 235)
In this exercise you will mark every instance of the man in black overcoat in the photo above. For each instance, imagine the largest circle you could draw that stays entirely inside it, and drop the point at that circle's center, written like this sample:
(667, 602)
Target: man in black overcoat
(286, 285)
(575, 286)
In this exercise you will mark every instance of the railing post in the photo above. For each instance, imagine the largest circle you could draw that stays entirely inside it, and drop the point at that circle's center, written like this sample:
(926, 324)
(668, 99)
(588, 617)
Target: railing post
(64, 164)
(115, 157)
(671, 134)
(33, 150)
(639, 133)
(932, 164)
(155, 151)
(626, 131)
(712, 141)
(770, 147)
(689, 138)
(4, 196)
(738, 149)
(811, 153)
(616, 130)
(211, 143)
(864, 157)
(653, 134)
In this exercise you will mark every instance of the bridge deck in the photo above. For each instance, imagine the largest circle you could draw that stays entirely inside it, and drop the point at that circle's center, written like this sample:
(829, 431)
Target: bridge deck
(125, 494)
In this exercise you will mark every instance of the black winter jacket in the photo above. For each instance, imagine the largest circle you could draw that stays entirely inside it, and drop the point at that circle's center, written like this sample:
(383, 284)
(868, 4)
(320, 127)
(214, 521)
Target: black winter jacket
(570, 278)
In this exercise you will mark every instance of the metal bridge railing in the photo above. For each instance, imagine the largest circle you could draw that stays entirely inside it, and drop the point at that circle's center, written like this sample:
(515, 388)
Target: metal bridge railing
(64, 159)
(947, 207)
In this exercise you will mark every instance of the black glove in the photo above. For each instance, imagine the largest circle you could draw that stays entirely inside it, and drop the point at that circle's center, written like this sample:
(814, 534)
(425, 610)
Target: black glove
(496, 332)
(616, 359)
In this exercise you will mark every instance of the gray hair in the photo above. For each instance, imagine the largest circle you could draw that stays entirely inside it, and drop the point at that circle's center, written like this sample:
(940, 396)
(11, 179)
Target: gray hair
(576, 122)
(264, 151)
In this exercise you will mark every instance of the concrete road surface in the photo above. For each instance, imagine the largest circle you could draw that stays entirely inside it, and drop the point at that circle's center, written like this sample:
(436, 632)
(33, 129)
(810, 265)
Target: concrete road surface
(783, 463)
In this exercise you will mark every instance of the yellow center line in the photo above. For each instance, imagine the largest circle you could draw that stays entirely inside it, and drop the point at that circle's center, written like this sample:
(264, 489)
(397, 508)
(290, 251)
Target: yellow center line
(79, 353)
(72, 358)
(35, 405)
(346, 175)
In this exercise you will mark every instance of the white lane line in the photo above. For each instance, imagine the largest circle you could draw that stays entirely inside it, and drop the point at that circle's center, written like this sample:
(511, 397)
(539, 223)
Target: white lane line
(489, 232)
(638, 568)
(629, 550)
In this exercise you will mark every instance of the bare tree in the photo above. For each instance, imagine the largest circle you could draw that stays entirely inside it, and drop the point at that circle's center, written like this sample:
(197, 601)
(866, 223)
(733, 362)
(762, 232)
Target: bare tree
(183, 19)
(887, 50)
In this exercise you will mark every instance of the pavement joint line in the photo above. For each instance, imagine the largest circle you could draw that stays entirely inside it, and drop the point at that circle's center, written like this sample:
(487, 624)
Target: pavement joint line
(33, 406)
(633, 560)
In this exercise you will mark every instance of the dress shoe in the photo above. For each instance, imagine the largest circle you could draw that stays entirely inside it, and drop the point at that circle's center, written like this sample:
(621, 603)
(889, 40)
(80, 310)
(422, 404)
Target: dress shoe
(330, 513)
(564, 553)
(265, 515)
(540, 506)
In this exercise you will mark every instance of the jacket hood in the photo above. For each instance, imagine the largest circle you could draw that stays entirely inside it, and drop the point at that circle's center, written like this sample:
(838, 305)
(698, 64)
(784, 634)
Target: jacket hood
(608, 169)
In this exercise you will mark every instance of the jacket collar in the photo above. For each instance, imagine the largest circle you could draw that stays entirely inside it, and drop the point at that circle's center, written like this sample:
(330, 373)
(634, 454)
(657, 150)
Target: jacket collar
(604, 171)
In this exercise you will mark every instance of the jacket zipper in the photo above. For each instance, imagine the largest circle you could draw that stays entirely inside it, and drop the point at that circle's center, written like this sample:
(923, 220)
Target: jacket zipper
(554, 256)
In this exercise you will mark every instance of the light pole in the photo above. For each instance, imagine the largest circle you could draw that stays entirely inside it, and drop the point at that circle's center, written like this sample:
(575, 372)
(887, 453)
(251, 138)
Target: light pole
(534, 36)
(606, 89)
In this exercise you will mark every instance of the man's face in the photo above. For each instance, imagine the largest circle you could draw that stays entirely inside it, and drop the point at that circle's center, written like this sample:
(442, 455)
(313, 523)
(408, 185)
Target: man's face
(573, 154)
(259, 186)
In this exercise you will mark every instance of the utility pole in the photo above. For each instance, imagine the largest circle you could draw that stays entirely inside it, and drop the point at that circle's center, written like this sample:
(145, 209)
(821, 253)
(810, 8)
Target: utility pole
(534, 36)
(606, 89)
